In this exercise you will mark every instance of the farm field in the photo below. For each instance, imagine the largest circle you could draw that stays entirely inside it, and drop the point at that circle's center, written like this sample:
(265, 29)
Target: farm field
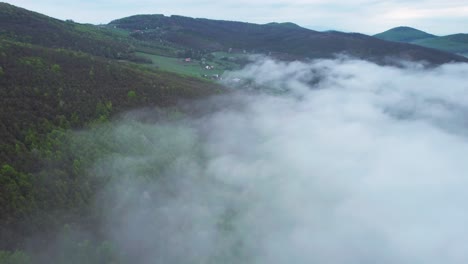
(211, 68)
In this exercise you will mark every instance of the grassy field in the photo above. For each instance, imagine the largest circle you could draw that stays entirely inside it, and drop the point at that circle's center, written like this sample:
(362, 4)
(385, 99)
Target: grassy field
(218, 63)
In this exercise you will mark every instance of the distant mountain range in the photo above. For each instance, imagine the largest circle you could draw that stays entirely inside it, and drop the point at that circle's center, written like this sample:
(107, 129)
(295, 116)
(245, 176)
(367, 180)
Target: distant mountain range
(456, 43)
(282, 39)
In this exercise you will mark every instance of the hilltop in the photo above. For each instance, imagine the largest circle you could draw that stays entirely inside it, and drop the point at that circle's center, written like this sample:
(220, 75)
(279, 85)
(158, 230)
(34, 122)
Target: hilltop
(456, 43)
(404, 34)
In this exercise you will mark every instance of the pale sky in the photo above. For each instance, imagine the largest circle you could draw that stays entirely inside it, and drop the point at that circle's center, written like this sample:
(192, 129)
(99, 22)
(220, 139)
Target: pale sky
(366, 16)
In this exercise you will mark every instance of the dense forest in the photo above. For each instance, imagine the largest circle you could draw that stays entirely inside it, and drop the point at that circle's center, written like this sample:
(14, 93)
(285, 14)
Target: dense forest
(65, 76)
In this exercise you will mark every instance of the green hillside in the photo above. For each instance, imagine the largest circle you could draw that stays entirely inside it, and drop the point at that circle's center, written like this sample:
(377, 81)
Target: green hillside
(404, 34)
(29, 27)
(44, 92)
(62, 77)
(457, 43)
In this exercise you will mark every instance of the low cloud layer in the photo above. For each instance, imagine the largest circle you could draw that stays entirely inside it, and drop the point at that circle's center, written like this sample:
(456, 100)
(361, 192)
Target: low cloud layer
(332, 161)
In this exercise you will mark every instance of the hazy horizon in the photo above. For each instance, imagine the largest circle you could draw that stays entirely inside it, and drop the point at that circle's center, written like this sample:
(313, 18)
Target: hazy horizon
(363, 16)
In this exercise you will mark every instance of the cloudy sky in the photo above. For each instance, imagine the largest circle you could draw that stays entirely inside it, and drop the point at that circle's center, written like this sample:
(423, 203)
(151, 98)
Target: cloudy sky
(366, 16)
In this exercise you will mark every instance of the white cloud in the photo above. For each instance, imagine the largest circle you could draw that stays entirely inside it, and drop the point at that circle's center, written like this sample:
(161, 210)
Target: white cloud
(332, 161)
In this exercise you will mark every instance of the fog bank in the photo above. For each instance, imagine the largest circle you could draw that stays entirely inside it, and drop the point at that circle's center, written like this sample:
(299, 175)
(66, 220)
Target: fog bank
(332, 161)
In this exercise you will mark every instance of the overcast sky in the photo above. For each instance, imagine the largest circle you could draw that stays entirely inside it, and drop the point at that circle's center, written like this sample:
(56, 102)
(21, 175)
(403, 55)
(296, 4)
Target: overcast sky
(365, 16)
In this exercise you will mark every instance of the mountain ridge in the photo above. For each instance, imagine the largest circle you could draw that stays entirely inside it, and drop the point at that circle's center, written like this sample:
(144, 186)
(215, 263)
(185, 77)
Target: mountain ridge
(271, 38)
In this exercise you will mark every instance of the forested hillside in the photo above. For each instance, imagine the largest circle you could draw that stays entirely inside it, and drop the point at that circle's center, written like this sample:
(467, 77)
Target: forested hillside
(29, 27)
(52, 80)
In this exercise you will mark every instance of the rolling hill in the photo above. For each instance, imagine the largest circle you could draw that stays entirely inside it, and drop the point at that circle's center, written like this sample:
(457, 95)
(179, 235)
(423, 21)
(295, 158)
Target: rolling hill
(456, 43)
(284, 40)
(404, 34)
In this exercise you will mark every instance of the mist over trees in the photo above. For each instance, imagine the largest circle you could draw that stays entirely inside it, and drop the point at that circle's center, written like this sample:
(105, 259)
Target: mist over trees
(160, 139)
(306, 157)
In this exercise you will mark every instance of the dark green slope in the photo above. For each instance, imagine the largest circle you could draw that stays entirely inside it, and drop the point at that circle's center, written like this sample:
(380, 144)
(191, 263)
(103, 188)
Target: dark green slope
(404, 34)
(49, 83)
(43, 93)
(22, 25)
(205, 34)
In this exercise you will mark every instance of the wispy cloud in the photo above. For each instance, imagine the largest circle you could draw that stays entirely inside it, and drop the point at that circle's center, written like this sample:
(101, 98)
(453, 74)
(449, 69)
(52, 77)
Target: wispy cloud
(331, 161)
